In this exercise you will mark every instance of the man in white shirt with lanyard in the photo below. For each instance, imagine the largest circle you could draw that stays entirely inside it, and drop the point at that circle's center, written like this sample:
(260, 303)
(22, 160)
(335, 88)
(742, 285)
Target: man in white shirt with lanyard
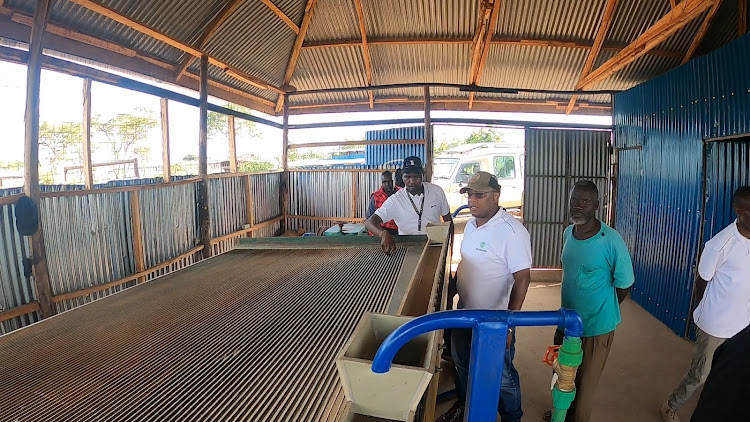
(722, 289)
(411, 208)
(494, 273)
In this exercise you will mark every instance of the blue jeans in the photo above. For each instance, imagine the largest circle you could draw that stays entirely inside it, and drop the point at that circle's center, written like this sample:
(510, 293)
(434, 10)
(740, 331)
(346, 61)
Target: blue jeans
(509, 405)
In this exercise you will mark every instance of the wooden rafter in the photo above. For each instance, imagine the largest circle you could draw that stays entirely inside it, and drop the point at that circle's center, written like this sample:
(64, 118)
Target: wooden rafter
(742, 18)
(701, 32)
(365, 49)
(489, 12)
(284, 18)
(665, 27)
(145, 29)
(494, 41)
(297, 48)
(674, 3)
(213, 27)
(601, 33)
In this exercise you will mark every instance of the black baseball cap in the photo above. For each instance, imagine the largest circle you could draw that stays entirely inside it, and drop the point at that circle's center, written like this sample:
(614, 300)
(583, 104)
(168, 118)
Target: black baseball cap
(413, 165)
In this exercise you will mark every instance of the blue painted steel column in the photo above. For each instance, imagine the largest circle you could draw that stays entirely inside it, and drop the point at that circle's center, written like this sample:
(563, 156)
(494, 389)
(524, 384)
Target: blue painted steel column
(486, 370)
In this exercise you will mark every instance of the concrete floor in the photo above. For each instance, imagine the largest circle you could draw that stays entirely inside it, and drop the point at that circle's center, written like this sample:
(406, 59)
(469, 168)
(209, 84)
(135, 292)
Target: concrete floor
(646, 362)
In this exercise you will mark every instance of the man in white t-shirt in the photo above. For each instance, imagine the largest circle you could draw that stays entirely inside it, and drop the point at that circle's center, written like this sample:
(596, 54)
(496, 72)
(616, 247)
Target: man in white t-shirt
(494, 273)
(723, 291)
(411, 208)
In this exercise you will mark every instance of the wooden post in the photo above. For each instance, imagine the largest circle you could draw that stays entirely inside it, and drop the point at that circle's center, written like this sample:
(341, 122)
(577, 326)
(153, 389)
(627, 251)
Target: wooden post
(250, 201)
(88, 174)
(166, 162)
(203, 213)
(428, 147)
(232, 145)
(31, 157)
(285, 135)
(135, 214)
(742, 17)
(354, 194)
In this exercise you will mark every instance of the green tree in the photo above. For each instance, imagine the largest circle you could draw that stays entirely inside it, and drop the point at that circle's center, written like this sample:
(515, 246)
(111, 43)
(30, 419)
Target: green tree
(59, 141)
(254, 166)
(218, 124)
(124, 133)
(190, 157)
(484, 135)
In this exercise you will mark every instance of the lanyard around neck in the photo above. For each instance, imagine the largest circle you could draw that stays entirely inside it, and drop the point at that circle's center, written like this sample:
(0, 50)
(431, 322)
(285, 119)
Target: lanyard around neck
(421, 208)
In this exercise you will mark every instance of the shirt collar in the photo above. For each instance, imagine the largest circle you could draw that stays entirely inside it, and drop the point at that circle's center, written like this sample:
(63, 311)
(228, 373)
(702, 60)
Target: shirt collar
(739, 235)
(494, 221)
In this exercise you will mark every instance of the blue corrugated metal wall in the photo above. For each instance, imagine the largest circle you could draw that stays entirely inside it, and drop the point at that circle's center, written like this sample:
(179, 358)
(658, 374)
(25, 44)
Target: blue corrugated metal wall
(727, 168)
(376, 155)
(670, 117)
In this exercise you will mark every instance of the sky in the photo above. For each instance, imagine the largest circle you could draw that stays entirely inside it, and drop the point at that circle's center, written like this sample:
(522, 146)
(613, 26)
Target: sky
(62, 101)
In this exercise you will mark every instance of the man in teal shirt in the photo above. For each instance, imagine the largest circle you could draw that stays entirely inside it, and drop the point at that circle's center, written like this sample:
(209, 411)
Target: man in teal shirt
(597, 275)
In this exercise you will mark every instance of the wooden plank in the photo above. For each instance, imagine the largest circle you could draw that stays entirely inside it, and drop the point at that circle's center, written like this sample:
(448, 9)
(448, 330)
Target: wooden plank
(742, 16)
(664, 28)
(285, 136)
(526, 42)
(10, 199)
(365, 49)
(204, 216)
(135, 216)
(211, 30)
(354, 194)
(338, 170)
(601, 33)
(145, 29)
(249, 200)
(356, 143)
(242, 232)
(31, 157)
(701, 32)
(19, 311)
(119, 282)
(228, 175)
(344, 219)
(88, 174)
(284, 18)
(166, 161)
(232, 145)
(429, 147)
(487, 22)
(136, 188)
(673, 3)
(297, 49)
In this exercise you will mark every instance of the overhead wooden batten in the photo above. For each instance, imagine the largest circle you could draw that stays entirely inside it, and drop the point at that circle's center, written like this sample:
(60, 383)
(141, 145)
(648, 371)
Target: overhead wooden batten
(281, 15)
(601, 33)
(297, 49)
(665, 27)
(701, 32)
(365, 49)
(488, 15)
(145, 29)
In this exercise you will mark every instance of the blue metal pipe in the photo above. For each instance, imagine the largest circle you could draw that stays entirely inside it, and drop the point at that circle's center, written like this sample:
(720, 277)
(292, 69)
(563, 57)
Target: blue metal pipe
(489, 335)
(459, 209)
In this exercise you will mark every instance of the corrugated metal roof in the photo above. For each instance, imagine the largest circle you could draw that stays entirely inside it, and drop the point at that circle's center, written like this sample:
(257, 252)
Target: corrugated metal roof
(334, 20)
(261, 53)
(542, 18)
(257, 42)
(420, 19)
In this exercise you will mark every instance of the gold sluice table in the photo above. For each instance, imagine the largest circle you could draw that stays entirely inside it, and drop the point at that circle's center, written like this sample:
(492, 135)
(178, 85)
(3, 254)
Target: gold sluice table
(249, 335)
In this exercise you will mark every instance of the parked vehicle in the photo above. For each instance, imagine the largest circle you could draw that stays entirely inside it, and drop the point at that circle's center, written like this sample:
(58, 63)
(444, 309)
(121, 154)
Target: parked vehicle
(454, 167)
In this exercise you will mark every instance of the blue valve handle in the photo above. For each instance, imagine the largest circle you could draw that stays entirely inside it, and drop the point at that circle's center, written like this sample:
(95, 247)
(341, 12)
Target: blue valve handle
(459, 209)
(489, 335)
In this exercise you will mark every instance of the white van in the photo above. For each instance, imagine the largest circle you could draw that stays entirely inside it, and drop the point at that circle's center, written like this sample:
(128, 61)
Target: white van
(454, 167)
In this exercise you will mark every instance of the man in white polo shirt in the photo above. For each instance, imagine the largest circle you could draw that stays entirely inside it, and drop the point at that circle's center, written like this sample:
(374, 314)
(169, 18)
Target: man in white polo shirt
(411, 208)
(494, 273)
(723, 291)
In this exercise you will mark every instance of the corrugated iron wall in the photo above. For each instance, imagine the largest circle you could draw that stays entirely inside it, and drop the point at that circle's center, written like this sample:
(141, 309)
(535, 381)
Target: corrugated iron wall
(376, 155)
(15, 288)
(555, 160)
(727, 168)
(89, 237)
(670, 117)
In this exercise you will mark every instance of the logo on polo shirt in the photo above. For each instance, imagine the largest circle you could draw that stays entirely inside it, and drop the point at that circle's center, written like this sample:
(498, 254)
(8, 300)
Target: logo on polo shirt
(481, 247)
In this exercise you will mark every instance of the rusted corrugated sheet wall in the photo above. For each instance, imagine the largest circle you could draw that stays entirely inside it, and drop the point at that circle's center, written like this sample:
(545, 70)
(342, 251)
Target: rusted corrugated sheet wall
(227, 204)
(89, 241)
(265, 190)
(670, 117)
(555, 160)
(320, 193)
(15, 288)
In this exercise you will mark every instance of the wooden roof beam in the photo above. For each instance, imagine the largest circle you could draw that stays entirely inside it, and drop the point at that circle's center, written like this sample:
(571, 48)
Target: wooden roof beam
(742, 18)
(213, 27)
(365, 49)
(664, 28)
(281, 15)
(601, 33)
(701, 32)
(297, 49)
(488, 15)
(494, 41)
(147, 30)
